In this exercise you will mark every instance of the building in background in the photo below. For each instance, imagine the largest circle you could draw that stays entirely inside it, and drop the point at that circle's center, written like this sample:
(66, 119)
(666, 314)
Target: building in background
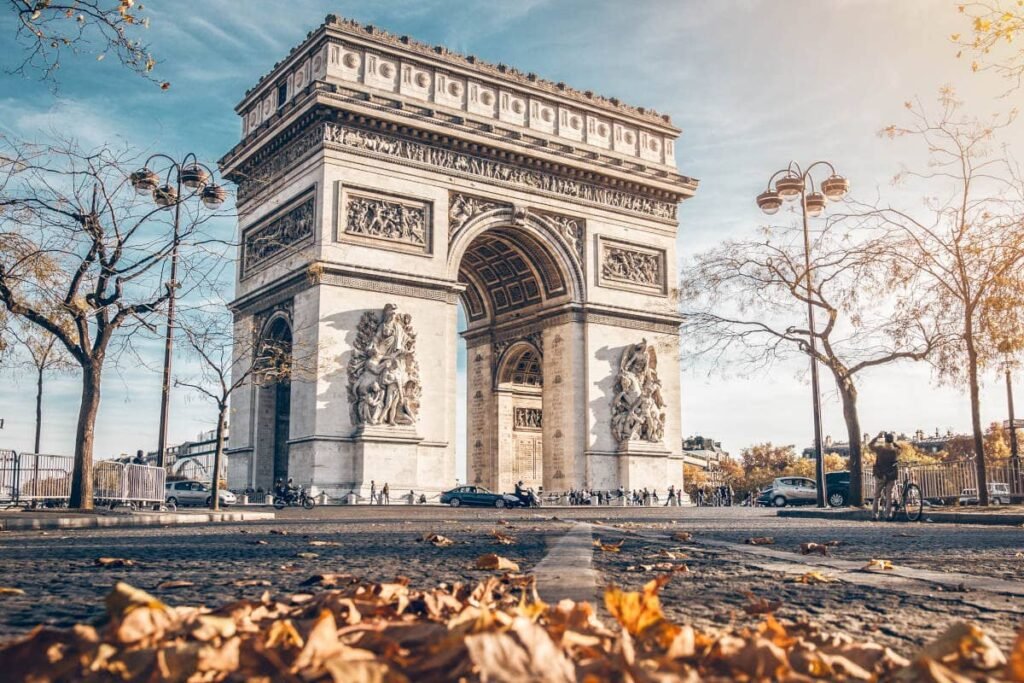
(192, 459)
(930, 444)
(702, 452)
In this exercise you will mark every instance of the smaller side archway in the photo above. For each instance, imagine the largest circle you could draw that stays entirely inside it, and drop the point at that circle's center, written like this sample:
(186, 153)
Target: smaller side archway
(272, 407)
(519, 400)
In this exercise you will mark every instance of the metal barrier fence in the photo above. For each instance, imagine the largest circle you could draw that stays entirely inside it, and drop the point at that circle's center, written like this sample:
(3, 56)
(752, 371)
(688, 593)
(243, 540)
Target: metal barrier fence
(36, 478)
(947, 481)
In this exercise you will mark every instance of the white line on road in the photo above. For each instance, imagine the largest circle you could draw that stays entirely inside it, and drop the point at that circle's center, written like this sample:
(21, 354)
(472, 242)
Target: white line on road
(567, 569)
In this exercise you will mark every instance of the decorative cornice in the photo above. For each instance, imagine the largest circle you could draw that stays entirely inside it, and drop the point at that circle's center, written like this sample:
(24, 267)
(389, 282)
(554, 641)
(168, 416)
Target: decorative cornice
(347, 27)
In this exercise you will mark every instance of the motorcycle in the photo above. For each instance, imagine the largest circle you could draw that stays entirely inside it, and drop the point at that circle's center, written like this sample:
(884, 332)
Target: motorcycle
(293, 498)
(528, 499)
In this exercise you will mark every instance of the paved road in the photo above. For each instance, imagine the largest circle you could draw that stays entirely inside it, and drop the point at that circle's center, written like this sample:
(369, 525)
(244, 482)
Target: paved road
(901, 608)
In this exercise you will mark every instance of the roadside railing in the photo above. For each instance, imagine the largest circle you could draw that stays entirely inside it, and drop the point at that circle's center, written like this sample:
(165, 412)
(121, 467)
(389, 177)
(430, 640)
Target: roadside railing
(946, 481)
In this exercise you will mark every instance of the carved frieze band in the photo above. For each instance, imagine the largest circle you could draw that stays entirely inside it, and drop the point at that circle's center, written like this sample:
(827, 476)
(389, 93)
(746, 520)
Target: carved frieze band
(396, 221)
(281, 232)
(438, 158)
(528, 419)
(629, 266)
(499, 347)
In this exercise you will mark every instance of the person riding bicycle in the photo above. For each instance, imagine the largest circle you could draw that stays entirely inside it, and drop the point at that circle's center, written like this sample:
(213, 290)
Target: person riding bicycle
(885, 471)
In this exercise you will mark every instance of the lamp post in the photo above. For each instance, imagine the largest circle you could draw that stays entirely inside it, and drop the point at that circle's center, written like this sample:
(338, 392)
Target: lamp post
(791, 183)
(195, 178)
(1015, 482)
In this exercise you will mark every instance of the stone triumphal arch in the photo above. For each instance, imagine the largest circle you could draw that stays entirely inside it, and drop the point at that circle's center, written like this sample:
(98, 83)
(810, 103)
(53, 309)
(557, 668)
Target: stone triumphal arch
(381, 182)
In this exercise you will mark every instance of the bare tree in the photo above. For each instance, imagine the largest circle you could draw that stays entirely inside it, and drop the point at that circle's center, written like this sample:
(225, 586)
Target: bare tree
(46, 355)
(747, 304)
(109, 247)
(46, 29)
(962, 252)
(228, 359)
(994, 24)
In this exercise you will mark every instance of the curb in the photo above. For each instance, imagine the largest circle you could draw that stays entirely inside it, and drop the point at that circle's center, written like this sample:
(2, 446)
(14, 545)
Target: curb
(938, 517)
(133, 520)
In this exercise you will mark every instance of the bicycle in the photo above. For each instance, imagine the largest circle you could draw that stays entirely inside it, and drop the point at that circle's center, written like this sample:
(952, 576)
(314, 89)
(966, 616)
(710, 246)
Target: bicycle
(907, 498)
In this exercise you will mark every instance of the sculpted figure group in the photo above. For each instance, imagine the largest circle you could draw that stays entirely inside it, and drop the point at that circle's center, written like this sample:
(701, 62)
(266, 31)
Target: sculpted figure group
(384, 384)
(638, 410)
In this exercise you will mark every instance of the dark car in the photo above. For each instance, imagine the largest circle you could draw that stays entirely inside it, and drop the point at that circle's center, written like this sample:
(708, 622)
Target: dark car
(764, 499)
(837, 484)
(477, 495)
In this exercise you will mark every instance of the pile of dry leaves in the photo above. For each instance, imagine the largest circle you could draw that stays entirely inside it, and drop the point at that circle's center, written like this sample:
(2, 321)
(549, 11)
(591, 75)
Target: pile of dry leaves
(496, 631)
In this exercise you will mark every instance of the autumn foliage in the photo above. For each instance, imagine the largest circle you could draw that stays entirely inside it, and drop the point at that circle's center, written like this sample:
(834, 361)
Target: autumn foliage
(498, 630)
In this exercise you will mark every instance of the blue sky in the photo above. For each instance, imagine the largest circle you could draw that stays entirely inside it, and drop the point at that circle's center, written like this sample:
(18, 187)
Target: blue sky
(752, 83)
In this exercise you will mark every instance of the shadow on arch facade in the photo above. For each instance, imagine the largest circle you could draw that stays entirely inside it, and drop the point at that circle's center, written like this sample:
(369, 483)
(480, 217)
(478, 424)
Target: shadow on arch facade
(381, 182)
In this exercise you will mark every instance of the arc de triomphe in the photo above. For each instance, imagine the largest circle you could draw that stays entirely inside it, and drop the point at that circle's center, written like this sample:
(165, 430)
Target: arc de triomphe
(381, 182)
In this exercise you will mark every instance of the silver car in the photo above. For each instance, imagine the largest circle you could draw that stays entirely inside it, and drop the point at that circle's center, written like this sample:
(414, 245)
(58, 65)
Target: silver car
(194, 493)
(793, 491)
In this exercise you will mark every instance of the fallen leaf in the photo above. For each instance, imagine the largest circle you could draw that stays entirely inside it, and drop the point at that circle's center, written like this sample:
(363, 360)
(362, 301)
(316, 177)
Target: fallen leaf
(114, 562)
(307, 556)
(814, 577)
(323, 543)
(4, 590)
(503, 539)
(493, 561)
(165, 585)
(880, 565)
(609, 547)
(682, 536)
(814, 548)
(259, 541)
(278, 532)
(637, 611)
(759, 605)
(328, 580)
(760, 540)
(243, 583)
(438, 540)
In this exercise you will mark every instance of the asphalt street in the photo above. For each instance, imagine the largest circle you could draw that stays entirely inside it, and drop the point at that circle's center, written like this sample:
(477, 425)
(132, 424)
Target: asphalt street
(942, 573)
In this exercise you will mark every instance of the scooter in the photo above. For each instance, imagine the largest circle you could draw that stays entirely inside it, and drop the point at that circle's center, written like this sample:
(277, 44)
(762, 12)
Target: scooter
(528, 499)
(294, 499)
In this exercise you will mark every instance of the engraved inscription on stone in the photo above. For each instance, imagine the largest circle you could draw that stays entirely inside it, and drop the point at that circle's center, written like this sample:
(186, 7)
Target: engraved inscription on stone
(633, 267)
(279, 234)
(386, 218)
(528, 418)
(638, 410)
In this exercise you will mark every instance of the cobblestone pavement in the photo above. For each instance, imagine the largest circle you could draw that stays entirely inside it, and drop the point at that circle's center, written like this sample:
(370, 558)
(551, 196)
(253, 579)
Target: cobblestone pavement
(63, 584)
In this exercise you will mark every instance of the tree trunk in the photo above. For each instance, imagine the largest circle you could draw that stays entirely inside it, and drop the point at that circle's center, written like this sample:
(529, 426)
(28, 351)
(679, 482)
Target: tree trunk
(218, 455)
(85, 434)
(979, 435)
(848, 394)
(39, 408)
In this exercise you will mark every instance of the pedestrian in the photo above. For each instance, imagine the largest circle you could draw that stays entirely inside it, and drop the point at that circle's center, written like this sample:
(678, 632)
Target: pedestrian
(654, 496)
(412, 496)
(373, 492)
(885, 470)
(385, 495)
(140, 458)
(671, 496)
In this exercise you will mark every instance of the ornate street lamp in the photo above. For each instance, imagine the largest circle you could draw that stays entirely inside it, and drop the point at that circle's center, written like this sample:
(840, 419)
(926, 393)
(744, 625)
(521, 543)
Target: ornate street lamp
(790, 183)
(1007, 349)
(195, 178)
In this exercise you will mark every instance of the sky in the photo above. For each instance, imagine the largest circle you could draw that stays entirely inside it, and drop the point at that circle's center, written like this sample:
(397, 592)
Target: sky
(752, 83)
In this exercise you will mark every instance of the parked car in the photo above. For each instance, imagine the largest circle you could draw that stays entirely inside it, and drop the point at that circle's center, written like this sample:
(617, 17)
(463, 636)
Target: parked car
(190, 492)
(477, 495)
(793, 491)
(997, 493)
(837, 487)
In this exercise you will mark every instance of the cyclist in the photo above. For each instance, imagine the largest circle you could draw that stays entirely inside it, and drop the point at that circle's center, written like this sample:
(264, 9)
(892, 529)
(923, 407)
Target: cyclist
(885, 471)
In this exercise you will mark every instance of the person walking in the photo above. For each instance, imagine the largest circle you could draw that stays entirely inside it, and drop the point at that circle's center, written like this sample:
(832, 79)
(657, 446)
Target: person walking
(373, 492)
(885, 470)
(385, 495)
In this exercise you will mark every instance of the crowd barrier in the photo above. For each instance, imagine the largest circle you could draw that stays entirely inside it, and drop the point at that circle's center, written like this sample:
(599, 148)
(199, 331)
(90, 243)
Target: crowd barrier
(946, 481)
(35, 479)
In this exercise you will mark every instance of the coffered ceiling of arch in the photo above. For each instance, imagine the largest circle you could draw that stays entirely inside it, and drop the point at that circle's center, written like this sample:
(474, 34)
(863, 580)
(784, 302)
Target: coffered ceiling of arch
(506, 270)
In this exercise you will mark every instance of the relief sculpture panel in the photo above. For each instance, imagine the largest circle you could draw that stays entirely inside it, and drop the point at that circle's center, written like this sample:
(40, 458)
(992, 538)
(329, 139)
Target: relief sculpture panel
(638, 409)
(383, 374)
(397, 222)
(633, 267)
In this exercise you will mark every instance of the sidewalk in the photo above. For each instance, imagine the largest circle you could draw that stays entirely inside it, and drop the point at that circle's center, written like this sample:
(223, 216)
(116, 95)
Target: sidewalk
(1007, 515)
(17, 520)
